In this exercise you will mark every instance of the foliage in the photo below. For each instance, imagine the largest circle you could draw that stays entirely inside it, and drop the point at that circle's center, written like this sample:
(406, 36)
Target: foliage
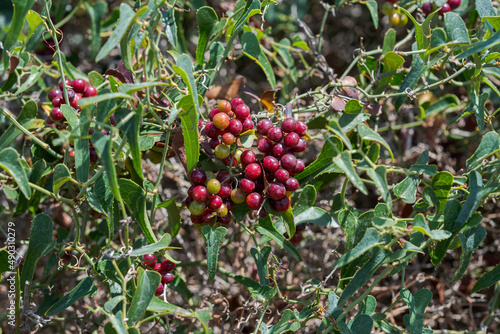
(150, 104)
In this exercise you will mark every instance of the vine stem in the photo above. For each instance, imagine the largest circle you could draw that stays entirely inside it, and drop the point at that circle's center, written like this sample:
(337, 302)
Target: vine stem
(261, 317)
(51, 194)
(160, 173)
(31, 136)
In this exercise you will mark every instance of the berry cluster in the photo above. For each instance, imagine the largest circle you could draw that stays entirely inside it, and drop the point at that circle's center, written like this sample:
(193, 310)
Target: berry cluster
(164, 268)
(264, 172)
(429, 7)
(76, 90)
(396, 16)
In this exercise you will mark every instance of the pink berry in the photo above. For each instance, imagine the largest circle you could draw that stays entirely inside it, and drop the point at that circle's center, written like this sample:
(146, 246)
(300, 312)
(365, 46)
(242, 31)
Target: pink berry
(247, 186)
(214, 202)
(167, 265)
(225, 190)
(79, 85)
(291, 140)
(196, 219)
(301, 128)
(264, 125)
(299, 167)
(275, 134)
(301, 146)
(149, 260)
(56, 114)
(68, 84)
(264, 145)
(159, 290)
(254, 201)
(198, 177)
(74, 104)
(242, 112)
(288, 162)
(208, 216)
(53, 93)
(235, 127)
(89, 91)
(282, 175)
(212, 113)
(58, 101)
(278, 150)
(247, 125)
(235, 103)
(291, 184)
(271, 164)
(427, 8)
(445, 9)
(167, 278)
(454, 4)
(200, 194)
(247, 157)
(281, 205)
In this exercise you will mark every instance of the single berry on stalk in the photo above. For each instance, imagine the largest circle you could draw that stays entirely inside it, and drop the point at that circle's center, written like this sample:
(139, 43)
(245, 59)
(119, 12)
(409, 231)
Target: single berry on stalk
(254, 201)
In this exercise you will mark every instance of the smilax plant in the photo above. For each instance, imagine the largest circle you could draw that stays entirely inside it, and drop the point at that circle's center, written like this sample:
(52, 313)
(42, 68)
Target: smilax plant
(202, 166)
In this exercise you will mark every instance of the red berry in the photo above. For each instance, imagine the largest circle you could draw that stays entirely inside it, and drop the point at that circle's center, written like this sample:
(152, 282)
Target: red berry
(278, 150)
(254, 201)
(242, 112)
(223, 177)
(288, 125)
(68, 84)
(291, 140)
(93, 157)
(282, 175)
(214, 142)
(198, 177)
(296, 239)
(190, 191)
(56, 114)
(159, 290)
(224, 106)
(301, 146)
(197, 219)
(271, 164)
(167, 278)
(228, 138)
(301, 128)
(269, 176)
(275, 134)
(225, 190)
(212, 113)
(427, 8)
(211, 131)
(200, 194)
(253, 171)
(74, 105)
(227, 161)
(89, 91)
(53, 93)
(230, 204)
(235, 127)
(276, 190)
(208, 216)
(264, 145)
(247, 157)
(247, 186)
(79, 85)
(300, 227)
(299, 167)
(235, 103)
(221, 121)
(167, 265)
(214, 202)
(445, 9)
(454, 4)
(247, 125)
(281, 205)
(225, 219)
(58, 101)
(149, 260)
(291, 184)
(264, 126)
(49, 121)
(288, 162)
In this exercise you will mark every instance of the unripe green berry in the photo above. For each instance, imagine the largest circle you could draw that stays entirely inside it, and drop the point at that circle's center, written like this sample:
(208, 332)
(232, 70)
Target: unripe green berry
(222, 151)
(197, 208)
(213, 186)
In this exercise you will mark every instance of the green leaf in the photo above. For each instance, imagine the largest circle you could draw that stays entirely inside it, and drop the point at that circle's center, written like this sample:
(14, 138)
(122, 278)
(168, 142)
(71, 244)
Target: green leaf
(40, 243)
(370, 240)
(373, 8)
(348, 122)
(174, 217)
(26, 118)
(21, 8)
(170, 26)
(485, 8)
(87, 101)
(159, 306)
(82, 155)
(102, 144)
(478, 47)
(379, 176)
(353, 107)
(425, 169)
(389, 41)
(85, 288)
(260, 258)
(323, 163)
(252, 49)
(344, 162)
(127, 16)
(391, 62)
(438, 37)
(95, 79)
(190, 105)
(135, 197)
(163, 243)
(252, 7)
(147, 283)
(117, 323)
(34, 20)
(5, 261)
(487, 279)
(418, 68)
(35, 74)
(470, 240)
(441, 185)
(368, 134)
(214, 237)
(267, 228)
(455, 28)
(407, 189)
(258, 291)
(417, 305)
(362, 324)
(420, 225)
(490, 144)
(348, 223)
(445, 102)
(96, 13)
(61, 176)
(314, 215)
(363, 275)
(288, 323)
(207, 19)
(288, 218)
(131, 130)
(111, 304)
(10, 162)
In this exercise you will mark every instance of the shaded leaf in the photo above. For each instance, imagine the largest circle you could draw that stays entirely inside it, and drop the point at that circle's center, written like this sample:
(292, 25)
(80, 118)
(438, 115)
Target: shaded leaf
(214, 237)
(85, 288)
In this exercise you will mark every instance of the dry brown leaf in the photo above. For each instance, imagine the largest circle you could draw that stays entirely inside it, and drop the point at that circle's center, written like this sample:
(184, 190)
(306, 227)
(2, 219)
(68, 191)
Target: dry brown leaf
(350, 91)
(338, 104)
(226, 92)
(268, 99)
